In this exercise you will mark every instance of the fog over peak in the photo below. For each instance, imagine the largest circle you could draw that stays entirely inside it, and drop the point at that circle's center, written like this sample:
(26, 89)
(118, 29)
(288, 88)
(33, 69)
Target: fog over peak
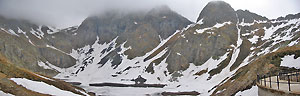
(65, 13)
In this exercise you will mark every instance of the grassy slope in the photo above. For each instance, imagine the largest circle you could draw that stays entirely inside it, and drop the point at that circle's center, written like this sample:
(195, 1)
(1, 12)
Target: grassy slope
(245, 77)
(9, 70)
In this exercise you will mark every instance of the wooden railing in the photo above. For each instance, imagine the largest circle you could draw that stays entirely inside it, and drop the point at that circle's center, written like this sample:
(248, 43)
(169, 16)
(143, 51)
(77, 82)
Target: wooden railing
(279, 79)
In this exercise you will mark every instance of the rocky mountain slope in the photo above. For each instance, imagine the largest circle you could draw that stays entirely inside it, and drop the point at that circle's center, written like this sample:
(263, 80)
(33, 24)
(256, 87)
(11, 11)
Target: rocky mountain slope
(21, 82)
(27, 44)
(220, 54)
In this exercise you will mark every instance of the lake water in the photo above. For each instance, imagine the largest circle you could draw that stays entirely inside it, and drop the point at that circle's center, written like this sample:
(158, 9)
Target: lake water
(124, 91)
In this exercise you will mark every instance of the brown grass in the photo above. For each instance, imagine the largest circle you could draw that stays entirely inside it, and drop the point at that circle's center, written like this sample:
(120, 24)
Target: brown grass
(11, 71)
(245, 77)
(170, 41)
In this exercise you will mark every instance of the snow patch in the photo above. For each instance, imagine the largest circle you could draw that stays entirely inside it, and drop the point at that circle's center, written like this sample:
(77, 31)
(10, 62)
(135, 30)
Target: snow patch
(289, 61)
(5, 94)
(218, 25)
(43, 65)
(11, 32)
(254, 39)
(183, 35)
(48, 65)
(293, 43)
(37, 34)
(270, 31)
(250, 92)
(49, 46)
(44, 77)
(200, 21)
(42, 87)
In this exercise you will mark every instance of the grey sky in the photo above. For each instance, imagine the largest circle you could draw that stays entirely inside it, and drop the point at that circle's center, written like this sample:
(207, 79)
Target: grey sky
(64, 13)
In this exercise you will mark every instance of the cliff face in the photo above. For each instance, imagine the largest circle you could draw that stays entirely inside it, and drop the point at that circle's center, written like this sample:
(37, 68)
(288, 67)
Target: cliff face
(217, 12)
(30, 45)
(220, 50)
(142, 31)
(26, 44)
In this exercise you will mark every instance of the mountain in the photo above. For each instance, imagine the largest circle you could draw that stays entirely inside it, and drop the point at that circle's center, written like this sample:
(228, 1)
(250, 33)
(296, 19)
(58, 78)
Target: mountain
(220, 54)
(25, 43)
(21, 82)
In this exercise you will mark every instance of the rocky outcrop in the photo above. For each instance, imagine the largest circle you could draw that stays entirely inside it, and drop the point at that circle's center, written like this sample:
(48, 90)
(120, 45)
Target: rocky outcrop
(217, 12)
(289, 17)
(249, 17)
(26, 44)
(141, 31)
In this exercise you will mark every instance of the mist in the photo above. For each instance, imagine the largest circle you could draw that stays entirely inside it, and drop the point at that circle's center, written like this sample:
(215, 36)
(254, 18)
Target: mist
(66, 13)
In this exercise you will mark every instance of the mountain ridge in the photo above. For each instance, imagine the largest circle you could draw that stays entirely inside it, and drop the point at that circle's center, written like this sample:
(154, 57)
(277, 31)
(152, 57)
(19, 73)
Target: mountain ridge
(160, 45)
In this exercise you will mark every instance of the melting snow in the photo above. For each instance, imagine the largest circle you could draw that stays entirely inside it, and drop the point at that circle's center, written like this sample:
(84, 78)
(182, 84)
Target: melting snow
(5, 94)
(31, 42)
(289, 61)
(54, 30)
(37, 34)
(43, 65)
(254, 39)
(22, 32)
(42, 87)
(211, 32)
(293, 43)
(200, 31)
(183, 35)
(218, 25)
(200, 21)
(44, 77)
(212, 64)
(250, 92)
(246, 24)
(11, 32)
(49, 46)
(270, 31)
(48, 65)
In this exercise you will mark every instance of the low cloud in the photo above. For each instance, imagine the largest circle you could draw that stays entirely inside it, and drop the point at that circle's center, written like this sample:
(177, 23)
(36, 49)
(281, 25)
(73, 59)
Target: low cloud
(65, 13)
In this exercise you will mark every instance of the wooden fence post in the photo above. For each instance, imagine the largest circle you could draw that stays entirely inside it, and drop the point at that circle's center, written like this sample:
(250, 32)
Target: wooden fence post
(291, 77)
(265, 80)
(297, 76)
(270, 81)
(257, 78)
(289, 83)
(261, 81)
(277, 82)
